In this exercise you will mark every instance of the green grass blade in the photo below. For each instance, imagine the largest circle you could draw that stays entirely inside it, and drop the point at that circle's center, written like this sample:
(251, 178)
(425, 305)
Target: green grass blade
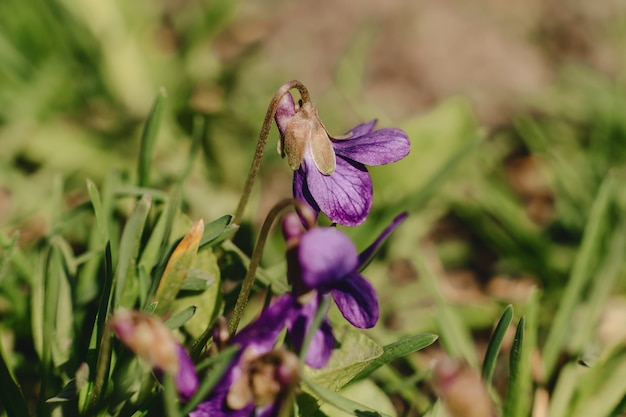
(98, 209)
(513, 394)
(417, 200)
(199, 127)
(562, 397)
(150, 254)
(397, 350)
(603, 388)
(453, 333)
(604, 280)
(523, 404)
(129, 246)
(6, 251)
(12, 397)
(580, 275)
(495, 343)
(170, 396)
(148, 139)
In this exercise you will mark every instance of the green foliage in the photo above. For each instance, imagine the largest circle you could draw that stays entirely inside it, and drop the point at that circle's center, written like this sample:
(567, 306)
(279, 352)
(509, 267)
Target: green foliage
(98, 191)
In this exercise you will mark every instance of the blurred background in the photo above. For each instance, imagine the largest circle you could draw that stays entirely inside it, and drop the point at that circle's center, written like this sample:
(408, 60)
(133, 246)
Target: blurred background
(516, 112)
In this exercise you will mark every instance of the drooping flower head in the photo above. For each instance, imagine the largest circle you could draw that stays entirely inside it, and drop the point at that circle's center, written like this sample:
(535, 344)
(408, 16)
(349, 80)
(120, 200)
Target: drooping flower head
(329, 171)
(152, 341)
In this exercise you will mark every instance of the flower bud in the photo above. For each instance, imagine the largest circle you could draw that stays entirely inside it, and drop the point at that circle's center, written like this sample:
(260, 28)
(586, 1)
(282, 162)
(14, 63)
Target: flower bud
(148, 338)
(462, 390)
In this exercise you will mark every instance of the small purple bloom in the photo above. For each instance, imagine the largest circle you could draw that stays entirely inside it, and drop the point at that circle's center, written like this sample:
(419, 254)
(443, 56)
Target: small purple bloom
(329, 172)
(323, 262)
(259, 376)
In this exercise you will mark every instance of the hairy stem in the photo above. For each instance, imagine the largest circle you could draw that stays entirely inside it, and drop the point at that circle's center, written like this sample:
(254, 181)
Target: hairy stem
(306, 213)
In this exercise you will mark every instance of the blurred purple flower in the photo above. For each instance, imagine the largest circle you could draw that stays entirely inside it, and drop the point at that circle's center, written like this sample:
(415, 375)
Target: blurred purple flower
(329, 172)
(259, 377)
(152, 341)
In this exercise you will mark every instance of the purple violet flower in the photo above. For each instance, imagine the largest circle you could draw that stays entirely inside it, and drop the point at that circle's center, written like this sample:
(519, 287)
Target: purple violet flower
(152, 341)
(329, 172)
(259, 377)
(323, 262)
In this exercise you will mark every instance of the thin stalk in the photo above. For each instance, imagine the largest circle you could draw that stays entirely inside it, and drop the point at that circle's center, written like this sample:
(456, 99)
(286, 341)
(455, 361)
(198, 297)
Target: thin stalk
(315, 324)
(242, 299)
(263, 136)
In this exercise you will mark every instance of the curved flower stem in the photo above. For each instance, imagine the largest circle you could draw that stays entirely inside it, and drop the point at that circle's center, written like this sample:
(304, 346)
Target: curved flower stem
(242, 299)
(260, 147)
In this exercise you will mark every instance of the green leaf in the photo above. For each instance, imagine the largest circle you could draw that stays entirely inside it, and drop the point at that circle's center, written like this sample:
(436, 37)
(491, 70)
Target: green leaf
(148, 139)
(397, 350)
(177, 268)
(73, 386)
(13, 402)
(63, 327)
(513, 394)
(198, 280)
(453, 333)
(602, 388)
(365, 392)
(98, 209)
(129, 247)
(181, 318)
(150, 254)
(357, 352)
(495, 343)
(207, 301)
(340, 402)
(218, 230)
(6, 253)
(563, 394)
(580, 275)
(604, 281)
(522, 404)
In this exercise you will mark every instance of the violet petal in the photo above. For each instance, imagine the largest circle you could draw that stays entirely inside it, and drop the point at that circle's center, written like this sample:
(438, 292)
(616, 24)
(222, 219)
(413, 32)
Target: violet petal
(376, 148)
(366, 256)
(186, 378)
(216, 407)
(284, 112)
(301, 190)
(261, 335)
(357, 301)
(326, 255)
(360, 130)
(345, 196)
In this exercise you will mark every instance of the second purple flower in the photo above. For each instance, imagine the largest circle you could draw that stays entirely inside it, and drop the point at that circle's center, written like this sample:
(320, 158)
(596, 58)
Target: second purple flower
(329, 172)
